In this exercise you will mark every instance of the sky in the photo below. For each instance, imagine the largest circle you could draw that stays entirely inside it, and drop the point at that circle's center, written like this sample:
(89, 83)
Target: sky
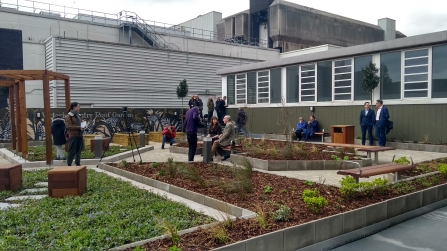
(412, 17)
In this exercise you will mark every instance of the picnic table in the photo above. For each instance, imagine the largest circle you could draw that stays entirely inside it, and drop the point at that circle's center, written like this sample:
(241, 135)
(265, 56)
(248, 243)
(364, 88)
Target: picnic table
(367, 149)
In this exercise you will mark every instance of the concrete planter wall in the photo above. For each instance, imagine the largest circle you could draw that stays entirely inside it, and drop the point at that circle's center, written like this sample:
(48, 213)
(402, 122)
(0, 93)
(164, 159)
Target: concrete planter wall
(413, 146)
(26, 164)
(295, 165)
(196, 197)
(386, 213)
(184, 150)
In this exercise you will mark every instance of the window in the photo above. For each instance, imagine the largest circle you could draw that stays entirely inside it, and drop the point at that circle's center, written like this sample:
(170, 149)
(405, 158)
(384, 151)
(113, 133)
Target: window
(293, 88)
(263, 87)
(416, 74)
(251, 88)
(390, 75)
(439, 77)
(230, 89)
(275, 86)
(359, 92)
(307, 82)
(241, 89)
(342, 79)
(324, 81)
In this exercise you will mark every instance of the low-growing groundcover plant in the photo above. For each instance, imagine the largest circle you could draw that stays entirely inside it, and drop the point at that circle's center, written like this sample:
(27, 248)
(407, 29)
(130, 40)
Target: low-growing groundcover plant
(111, 213)
(38, 152)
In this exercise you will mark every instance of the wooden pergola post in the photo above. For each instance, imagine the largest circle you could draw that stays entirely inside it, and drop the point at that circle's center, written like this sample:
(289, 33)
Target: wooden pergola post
(17, 118)
(47, 116)
(17, 96)
(12, 117)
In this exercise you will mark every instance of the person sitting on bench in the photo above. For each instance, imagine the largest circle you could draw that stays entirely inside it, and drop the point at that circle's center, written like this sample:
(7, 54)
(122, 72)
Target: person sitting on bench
(225, 139)
(215, 129)
(312, 128)
(300, 129)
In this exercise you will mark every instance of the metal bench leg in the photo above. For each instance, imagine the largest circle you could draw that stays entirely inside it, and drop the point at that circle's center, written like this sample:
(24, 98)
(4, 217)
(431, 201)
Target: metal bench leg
(397, 176)
(356, 179)
(376, 158)
(368, 155)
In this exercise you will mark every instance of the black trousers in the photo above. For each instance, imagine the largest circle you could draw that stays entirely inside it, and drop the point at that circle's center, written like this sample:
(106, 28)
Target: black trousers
(192, 142)
(74, 150)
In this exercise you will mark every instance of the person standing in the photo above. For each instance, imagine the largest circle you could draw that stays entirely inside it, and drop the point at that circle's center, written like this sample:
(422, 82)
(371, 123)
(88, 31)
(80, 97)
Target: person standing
(210, 106)
(382, 118)
(199, 103)
(241, 122)
(58, 131)
(217, 108)
(169, 134)
(75, 131)
(225, 139)
(191, 123)
(191, 102)
(367, 118)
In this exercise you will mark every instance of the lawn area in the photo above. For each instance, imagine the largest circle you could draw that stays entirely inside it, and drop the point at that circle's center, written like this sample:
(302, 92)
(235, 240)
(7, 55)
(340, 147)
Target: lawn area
(111, 213)
(37, 153)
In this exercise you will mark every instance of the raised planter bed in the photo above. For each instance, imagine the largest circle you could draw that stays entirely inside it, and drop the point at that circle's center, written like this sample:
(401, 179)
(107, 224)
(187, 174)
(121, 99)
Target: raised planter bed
(303, 228)
(297, 165)
(184, 150)
(413, 146)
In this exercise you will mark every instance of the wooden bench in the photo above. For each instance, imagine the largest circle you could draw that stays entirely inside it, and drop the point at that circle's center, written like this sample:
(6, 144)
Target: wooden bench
(366, 172)
(232, 148)
(10, 177)
(66, 181)
(322, 135)
(367, 149)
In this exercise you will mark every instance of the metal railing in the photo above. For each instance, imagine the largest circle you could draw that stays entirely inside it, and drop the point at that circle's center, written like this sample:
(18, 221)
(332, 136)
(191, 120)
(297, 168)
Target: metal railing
(117, 19)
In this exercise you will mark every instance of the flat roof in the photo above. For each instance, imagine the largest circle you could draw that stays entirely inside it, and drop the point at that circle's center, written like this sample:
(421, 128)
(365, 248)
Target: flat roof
(382, 46)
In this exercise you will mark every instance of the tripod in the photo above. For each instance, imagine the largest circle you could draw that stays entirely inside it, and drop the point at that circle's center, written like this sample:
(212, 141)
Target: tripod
(130, 135)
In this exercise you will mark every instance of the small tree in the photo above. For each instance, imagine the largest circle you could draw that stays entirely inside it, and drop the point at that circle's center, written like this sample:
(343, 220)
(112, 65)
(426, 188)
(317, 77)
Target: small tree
(284, 122)
(370, 78)
(182, 91)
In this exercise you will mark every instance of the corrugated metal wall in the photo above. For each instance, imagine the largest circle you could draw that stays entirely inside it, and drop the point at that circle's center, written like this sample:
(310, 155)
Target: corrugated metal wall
(49, 65)
(113, 75)
(411, 122)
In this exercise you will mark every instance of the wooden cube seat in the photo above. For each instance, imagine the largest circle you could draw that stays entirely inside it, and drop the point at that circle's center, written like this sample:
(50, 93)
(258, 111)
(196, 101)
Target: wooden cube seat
(10, 177)
(66, 181)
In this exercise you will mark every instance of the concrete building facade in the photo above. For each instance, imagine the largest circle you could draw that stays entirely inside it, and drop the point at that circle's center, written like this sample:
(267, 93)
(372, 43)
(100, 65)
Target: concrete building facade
(413, 84)
(203, 26)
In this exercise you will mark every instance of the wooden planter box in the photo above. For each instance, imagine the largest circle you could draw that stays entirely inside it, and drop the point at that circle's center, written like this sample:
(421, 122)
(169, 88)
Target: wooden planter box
(10, 177)
(124, 140)
(88, 138)
(105, 143)
(66, 181)
(157, 137)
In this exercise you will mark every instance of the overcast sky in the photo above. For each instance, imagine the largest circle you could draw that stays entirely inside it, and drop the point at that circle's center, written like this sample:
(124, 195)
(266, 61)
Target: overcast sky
(413, 17)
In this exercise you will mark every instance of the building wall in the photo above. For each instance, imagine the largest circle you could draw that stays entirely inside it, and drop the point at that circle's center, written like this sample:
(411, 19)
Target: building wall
(114, 75)
(411, 122)
(11, 56)
(203, 26)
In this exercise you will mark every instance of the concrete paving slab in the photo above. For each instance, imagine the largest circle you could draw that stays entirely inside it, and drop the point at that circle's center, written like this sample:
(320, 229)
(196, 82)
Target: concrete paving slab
(41, 184)
(26, 197)
(6, 206)
(34, 191)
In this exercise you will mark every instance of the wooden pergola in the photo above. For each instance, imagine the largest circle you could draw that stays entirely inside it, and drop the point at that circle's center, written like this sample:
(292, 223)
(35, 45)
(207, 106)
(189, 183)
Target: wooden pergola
(17, 105)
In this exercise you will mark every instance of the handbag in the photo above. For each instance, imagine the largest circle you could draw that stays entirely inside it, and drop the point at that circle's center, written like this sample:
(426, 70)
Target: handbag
(66, 134)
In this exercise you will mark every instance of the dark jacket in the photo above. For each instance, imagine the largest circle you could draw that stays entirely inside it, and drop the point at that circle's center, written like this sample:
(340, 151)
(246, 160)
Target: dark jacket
(192, 120)
(58, 132)
(383, 119)
(241, 118)
(191, 103)
(221, 107)
(215, 130)
(74, 130)
(210, 105)
(199, 103)
(313, 127)
(217, 106)
(367, 120)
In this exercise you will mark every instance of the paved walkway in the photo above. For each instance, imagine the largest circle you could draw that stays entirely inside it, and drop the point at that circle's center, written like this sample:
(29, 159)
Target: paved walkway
(424, 233)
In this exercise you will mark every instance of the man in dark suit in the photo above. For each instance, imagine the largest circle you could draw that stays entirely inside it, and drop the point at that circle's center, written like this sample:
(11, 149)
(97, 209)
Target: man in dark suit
(380, 125)
(367, 118)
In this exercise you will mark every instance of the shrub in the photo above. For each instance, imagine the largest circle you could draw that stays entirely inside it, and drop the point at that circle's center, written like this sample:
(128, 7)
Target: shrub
(308, 183)
(282, 214)
(170, 230)
(174, 248)
(402, 160)
(284, 191)
(219, 234)
(261, 218)
(349, 187)
(194, 175)
(241, 183)
(314, 202)
(124, 163)
(172, 168)
(273, 152)
(138, 249)
(443, 169)
(268, 189)
(155, 165)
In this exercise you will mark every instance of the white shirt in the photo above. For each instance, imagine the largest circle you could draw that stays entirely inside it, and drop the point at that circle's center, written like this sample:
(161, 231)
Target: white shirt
(366, 112)
(378, 113)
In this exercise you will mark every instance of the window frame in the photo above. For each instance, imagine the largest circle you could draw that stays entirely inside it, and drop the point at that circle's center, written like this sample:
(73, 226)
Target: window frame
(429, 73)
(236, 88)
(351, 79)
(315, 82)
(257, 86)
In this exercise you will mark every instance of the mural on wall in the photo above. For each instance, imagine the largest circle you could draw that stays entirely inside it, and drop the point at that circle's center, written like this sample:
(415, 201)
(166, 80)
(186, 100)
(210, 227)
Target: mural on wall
(99, 121)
